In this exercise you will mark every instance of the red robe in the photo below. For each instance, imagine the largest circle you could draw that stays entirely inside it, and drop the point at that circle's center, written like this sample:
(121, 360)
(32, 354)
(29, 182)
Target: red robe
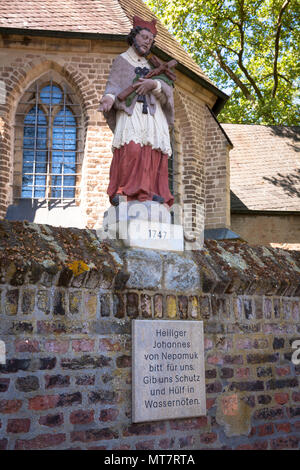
(138, 171)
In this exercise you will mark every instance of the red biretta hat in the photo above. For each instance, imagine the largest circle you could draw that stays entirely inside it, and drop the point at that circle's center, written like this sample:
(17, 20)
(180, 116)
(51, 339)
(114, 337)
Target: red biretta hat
(137, 21)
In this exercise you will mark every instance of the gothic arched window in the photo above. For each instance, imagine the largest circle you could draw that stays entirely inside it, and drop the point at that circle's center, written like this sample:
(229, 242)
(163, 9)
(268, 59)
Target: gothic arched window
(48, 154)
(49, 145)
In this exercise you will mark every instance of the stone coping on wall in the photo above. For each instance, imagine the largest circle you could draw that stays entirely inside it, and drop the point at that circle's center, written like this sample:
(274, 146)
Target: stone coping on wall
(70, 257)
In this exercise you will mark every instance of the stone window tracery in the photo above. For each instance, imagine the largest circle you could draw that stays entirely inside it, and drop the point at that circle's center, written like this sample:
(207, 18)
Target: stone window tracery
(48, 143)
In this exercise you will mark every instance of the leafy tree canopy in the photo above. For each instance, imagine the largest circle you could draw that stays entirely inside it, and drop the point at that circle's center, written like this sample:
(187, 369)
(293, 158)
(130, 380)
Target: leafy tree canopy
(248, 46)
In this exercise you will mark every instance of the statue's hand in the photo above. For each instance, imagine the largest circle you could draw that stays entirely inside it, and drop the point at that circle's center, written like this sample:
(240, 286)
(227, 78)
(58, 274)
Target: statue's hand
(106, 103)
(144, 85)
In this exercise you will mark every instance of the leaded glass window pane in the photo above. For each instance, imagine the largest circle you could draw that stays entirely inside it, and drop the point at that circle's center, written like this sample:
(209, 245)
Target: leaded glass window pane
(34, 154)
(49, 146)
(63, 155)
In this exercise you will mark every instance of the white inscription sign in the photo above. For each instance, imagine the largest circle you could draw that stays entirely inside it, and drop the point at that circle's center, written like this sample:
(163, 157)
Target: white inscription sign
(168, 370)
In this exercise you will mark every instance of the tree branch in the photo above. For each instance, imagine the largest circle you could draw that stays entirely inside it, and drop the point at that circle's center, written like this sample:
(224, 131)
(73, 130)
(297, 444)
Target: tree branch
(228, 48)
(232, 75)
(241, 52)
(284, 78)
(236, 23)
(277, 39)
(279, 75)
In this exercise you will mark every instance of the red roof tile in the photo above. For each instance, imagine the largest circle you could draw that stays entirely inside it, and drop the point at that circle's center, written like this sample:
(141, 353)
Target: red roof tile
(90, 16)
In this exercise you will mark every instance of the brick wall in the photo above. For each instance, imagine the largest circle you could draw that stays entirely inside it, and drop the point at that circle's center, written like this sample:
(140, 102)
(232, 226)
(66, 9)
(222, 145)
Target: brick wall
(84, 66)
(67, 302)
(280, 231)
(217, 173)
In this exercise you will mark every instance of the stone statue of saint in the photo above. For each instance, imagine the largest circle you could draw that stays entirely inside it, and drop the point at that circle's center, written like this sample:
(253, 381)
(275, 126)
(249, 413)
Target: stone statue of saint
(139, 111)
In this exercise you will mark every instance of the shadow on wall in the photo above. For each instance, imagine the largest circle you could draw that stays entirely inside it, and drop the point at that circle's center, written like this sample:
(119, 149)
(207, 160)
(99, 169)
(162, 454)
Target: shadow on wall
(24, 210)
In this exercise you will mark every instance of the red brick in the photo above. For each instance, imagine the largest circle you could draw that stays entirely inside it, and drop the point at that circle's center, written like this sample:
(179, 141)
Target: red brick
(166, 443)
(285, 427)
(69, 399)
(56, 346)
(4, 384)
(262, 445)
(150, 429)
(282, 371)
(123, 361)
(296, 396)
(52, 421)
(3, 444)
(265, 429)
(27, 345)
(242, 372)
(93, 435)
(208, 344)
(186, 441)
(214, 387)
(208, 438)
(122, 447)
(290, 442)
(296, 425)
(269, 413)
(108, 414)
(145, 445)
(54, 381)
(228, 359)
(187, 424)
(85, 345)
(106, 344)
(43, 402)
(40, 442)
(10, 406)
(85, 380)
(281, 398)
(215, 359)
(98, 448)
(82, 416)
(18, 425)
(210, 403)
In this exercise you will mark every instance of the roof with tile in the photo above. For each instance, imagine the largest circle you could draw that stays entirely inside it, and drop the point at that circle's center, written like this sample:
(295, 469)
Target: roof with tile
(93, 16)
(96, 17)
(264, 167)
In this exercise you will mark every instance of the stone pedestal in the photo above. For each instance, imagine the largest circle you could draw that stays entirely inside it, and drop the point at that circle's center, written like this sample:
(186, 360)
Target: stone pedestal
(144, 225)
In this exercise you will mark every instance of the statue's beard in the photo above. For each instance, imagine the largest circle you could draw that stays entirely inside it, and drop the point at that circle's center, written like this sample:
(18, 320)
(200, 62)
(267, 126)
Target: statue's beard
(138, 49)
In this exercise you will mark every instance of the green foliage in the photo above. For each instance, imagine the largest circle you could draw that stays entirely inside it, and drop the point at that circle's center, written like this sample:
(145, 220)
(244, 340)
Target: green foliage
(248, 46)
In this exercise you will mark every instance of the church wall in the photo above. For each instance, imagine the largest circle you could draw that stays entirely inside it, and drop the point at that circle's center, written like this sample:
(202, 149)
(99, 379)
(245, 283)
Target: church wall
(84, 65)
(217, 176)
(67, 303)
(282, 230)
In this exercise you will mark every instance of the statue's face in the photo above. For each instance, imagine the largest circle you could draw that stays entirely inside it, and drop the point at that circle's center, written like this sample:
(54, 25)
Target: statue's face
(143, 42)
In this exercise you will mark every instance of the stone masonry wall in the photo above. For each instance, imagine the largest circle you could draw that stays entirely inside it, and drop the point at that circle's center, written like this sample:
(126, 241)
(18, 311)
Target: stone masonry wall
(217, 173)
(67, 302)
(280, 231)
(84, 66)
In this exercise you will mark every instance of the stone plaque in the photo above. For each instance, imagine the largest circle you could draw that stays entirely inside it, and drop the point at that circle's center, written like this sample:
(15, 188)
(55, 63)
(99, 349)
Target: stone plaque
(167, 370)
